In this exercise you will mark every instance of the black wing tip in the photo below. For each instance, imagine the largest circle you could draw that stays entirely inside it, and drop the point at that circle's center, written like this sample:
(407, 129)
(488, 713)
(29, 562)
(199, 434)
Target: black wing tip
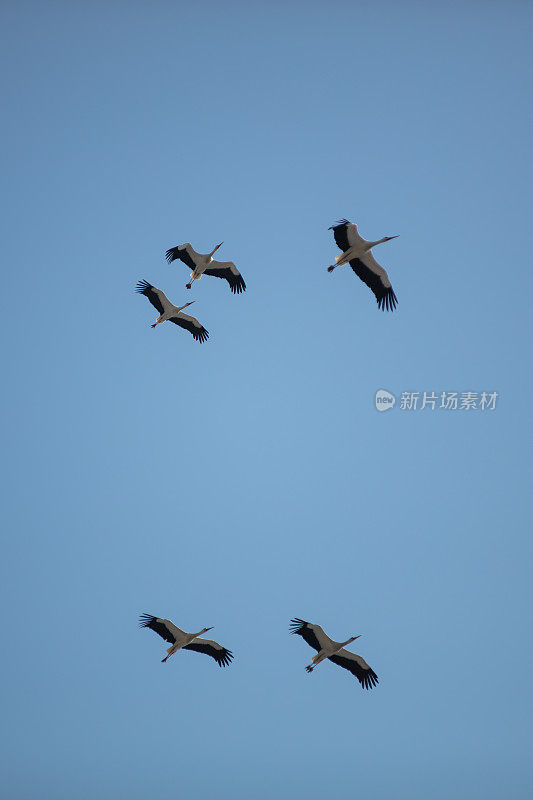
(297, 625)
(202, 335)
(142, 286)
(388, 301)
(145, 620)
(170, 255)
(237, 285)
(339, 224)
(225, 658)
(369, 680)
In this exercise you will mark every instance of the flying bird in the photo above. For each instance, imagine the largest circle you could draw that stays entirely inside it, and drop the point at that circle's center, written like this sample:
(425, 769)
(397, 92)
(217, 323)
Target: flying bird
(327, 648)
(180, 640)
(171, 313)
(357, 252)
(204, 265)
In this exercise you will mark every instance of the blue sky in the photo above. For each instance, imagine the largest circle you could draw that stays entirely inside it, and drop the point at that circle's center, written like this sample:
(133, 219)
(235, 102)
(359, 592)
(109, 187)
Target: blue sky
(249, 480)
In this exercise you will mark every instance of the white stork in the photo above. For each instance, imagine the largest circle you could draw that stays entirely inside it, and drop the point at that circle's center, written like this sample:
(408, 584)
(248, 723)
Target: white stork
(327, 648)
(357, 252)
(204, 265)
(180, 640)
(171, 313)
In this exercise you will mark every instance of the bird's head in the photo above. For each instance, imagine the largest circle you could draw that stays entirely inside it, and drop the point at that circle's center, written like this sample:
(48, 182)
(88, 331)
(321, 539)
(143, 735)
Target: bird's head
(218, 245)
(355, 637)
(388, 238)
(204, 630)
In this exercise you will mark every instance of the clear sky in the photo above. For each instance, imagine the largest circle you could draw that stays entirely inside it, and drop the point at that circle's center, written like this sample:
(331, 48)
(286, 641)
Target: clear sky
(250, 479)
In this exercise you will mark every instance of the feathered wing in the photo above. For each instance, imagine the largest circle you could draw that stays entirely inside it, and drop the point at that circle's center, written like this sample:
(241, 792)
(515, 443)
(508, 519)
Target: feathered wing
(370, 272)
(357, 666)
(222, 655)
(185, 253)
(345, 234)
(192, 325)
(164, 627)
(227, 270)
(312, 634)
(158, 299)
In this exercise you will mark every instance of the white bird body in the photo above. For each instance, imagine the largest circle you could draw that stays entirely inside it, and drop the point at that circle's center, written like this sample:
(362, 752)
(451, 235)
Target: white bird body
(168, 312)
(328, 648)
(357, 252)
(205, 264)
(202, 261)
(181, 640)
(358, 245)
(169, 309)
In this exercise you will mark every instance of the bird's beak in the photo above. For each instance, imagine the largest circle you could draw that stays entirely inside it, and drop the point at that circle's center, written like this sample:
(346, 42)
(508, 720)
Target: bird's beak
(208, 629)
(190, 302)
(392, 237)
(220, 245)
(358, 636)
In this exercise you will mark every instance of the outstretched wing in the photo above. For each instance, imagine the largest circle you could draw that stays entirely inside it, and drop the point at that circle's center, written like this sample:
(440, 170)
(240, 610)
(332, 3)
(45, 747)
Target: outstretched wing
(345, 234)
(367, 268)
(157, 298)
(221, 655)
(313, 634)
(227, 270)
(357, 666)
(192, 325)
(185, 253)
(164, 627)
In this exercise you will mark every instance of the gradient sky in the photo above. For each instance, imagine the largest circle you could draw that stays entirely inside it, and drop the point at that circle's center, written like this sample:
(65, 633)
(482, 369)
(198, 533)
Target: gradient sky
(248, 480)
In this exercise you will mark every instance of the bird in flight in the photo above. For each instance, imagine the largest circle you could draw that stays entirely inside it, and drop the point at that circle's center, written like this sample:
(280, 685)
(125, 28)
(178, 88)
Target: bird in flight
(171, 313)
(327, 648)
(357, 252)
(180, 640)
(204, 265)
